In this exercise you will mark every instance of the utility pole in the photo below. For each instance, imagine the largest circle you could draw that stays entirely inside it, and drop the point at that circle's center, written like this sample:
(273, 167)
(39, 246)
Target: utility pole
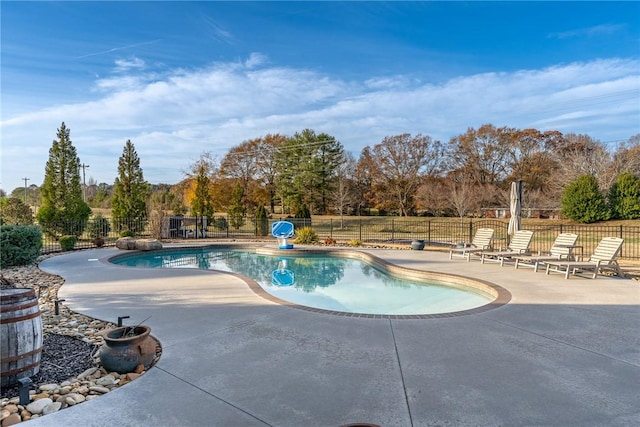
(84, 183)
(25, 189)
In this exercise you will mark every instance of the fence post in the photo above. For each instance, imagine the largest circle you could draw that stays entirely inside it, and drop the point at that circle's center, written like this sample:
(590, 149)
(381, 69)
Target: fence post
(393, 231)
(429, 231)
(331, 228)
(360, 230)
(470, 231)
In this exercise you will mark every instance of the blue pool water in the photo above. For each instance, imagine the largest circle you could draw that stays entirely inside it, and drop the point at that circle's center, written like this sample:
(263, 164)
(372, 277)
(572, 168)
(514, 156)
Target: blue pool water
(321, 281)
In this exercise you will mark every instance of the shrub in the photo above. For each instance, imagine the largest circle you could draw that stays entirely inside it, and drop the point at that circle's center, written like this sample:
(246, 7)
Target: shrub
(19, 244)
(303, 211)
(624, 197)
(262, 221)
(14, 211)
(355, 243)
(220, 223)
(329, 241)
(583, 202)
(56, 223)
(99, 227)
(67, 242)
(126, 233)
(306, 235)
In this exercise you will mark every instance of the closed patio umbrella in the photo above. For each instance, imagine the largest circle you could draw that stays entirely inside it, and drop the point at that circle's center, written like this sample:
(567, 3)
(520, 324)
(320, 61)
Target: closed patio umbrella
(515, 222)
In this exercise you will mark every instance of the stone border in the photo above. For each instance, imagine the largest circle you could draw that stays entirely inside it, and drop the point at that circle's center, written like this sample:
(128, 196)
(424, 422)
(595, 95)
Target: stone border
(502, 295)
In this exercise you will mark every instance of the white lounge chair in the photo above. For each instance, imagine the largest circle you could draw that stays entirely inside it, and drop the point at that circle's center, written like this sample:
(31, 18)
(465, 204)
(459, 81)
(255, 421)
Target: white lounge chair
(561, 248)
(519, 245)
(480, 242)
(603, 258)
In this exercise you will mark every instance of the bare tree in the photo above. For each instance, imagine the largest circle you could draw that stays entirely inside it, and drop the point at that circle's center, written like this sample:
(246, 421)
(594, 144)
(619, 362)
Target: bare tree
(580, 155)
(433, 196)
(626, 158)
(343, 190)
(240, 165)
(267, 164)
(464, 196)
(481, 155)
(398, 165)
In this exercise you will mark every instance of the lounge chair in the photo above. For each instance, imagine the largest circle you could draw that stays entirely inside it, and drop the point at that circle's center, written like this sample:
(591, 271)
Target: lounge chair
(480, 242)
(603, 258)
(560, 249)
(519, 245)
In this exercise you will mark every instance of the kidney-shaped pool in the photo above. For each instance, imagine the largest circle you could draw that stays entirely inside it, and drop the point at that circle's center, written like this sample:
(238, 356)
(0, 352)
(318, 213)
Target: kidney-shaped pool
(337, 281)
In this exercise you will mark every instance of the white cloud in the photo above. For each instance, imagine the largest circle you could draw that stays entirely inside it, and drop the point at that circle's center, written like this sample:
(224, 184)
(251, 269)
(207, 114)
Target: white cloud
(255, 59)
(589, 31)
(123, 65)
(173, 118)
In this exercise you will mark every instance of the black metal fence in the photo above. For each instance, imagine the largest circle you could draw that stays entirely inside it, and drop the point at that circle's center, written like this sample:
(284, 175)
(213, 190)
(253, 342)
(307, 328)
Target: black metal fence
(363, 230)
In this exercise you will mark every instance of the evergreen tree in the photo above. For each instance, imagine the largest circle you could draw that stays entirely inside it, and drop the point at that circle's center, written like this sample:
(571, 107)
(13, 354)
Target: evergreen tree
(237, 210)
(262, 221)
(202, 205)
(308, 165)
(624, 197)
(129, 201)
(63, 212)
(583, 202)
(14, 212)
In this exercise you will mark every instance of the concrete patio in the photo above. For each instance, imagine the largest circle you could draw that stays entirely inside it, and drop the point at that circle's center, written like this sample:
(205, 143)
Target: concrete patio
(560, 353)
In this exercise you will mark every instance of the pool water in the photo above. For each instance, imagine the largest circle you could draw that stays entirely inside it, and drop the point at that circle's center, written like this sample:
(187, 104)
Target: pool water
(322, 281)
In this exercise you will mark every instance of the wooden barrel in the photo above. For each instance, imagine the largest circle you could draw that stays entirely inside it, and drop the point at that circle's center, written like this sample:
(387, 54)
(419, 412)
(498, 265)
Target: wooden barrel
(21, 335)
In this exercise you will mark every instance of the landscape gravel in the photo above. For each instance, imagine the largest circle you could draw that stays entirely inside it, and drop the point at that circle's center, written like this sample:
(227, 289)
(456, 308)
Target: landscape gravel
(70, 369)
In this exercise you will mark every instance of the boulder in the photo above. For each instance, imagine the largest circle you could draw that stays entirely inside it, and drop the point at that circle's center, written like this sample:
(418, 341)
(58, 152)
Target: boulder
(126, 243)
(148, 244)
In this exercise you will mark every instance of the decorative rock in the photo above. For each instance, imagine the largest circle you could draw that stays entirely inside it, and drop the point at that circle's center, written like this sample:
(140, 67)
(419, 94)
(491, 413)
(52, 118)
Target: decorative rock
(51, 408)
(126, 243)
(37, 406)
(99, 389)
(90, 384)
(148, 244)
(87, 373)
(75, 398)
(11, 420)
(40, 395)
(82, 390)
(129, 243)
(131, 376)
(106, 381)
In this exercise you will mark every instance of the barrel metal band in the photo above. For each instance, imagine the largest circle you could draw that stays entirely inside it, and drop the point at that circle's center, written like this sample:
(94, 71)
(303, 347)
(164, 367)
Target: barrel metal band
(20, 318)
(28, 294)
(22, 356)
(9, 308)
(19, 370)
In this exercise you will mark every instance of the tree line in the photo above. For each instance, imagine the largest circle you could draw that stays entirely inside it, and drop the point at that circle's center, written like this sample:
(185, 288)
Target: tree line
(311, 173)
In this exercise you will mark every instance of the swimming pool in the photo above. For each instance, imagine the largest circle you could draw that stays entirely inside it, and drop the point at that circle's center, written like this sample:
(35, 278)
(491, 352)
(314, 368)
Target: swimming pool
(327, 281)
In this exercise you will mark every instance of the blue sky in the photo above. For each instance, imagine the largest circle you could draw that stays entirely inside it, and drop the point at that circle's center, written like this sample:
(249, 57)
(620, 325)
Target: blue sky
(182, 78)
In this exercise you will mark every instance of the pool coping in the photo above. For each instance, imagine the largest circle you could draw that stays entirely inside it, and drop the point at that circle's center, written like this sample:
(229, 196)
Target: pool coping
(502, 295)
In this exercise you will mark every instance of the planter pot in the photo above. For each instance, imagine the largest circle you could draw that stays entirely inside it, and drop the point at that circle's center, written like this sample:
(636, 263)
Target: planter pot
(127, 347)
(98, 241)
(417, 245)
